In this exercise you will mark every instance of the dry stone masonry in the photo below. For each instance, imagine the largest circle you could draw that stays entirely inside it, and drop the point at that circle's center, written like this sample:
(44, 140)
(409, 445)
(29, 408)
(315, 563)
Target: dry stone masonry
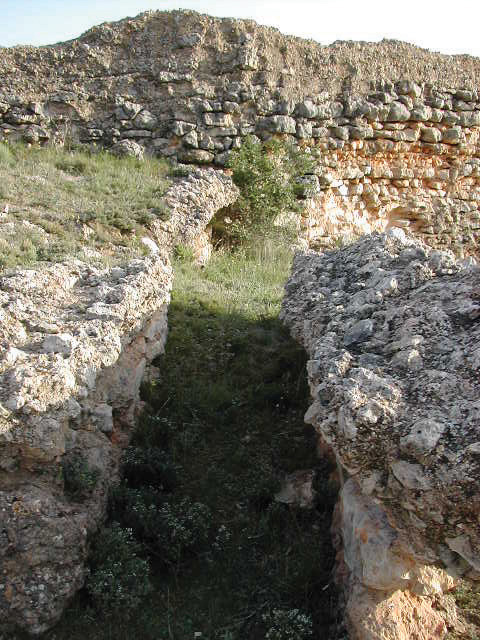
(395, 127)
(392, 328)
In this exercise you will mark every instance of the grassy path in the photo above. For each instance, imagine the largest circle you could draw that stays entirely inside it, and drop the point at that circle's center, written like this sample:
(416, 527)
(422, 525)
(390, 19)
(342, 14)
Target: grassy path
(228, 411)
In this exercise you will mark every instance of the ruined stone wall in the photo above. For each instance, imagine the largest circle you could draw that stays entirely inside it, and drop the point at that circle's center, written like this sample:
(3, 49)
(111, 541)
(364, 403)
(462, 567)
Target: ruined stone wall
(392, 331)
(395, 128)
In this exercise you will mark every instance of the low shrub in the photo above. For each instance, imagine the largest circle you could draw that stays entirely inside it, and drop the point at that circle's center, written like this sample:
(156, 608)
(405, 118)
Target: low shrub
(266, 175)
(184, 527)
(72, 165)
(168, 529)
(78, 477)
(287, 624)
(180, 171)
(152, 430)
(183, 253)
(149, 466)
(119, 578)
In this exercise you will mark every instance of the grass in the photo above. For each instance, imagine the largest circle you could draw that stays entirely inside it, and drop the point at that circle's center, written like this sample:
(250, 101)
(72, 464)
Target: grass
(75, 203)
(467, 600)
(228, 410)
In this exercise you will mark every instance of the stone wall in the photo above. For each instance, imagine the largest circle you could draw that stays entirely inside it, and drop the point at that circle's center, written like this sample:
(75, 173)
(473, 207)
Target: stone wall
(395, 127)
(392, 330)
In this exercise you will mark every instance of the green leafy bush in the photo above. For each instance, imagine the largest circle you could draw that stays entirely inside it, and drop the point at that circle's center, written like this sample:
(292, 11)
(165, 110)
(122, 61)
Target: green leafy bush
(78, 478)
(152, 430)
(184, 253)
(287, 624)
(119, 578)
(185, 526)
(149, 466)
(266, 175)
(168, 529)
(180, 171)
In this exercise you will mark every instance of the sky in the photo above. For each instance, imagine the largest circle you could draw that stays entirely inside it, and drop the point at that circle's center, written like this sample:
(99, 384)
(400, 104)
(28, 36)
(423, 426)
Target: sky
(434, 24)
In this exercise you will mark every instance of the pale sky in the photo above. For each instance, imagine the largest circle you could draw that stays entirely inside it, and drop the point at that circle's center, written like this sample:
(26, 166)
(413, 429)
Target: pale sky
(449, 27)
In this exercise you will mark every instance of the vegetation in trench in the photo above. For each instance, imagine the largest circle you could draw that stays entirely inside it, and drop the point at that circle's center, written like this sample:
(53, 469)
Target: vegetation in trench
(267, 175)
(63, 202)
(467, 600)
(78, 478)
(225, 425)
(120, 578)
(195, 542)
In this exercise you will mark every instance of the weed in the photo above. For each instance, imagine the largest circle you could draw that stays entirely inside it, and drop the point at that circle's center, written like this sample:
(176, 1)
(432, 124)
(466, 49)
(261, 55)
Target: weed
(150, 467)
(73, 165)
(7, 157)
(180, 171)
(169, 529)
(76, 198)
(467, 599)
(78, 477)
(119, 579)
(184, 253)
(287, 624)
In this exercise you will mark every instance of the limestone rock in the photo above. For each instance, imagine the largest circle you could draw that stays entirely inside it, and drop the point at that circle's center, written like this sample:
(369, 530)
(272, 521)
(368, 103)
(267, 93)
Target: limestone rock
(145, 120)
(405, 442)
(192, 202)
(280, 124)
(398, 112)
(431, 135)
(73, 391)
(128, 148)
(196, 156)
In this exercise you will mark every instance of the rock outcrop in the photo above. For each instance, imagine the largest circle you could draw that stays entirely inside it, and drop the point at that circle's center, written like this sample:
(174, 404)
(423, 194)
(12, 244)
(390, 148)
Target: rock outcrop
(192, 203)
(393, 333)
(75, 342)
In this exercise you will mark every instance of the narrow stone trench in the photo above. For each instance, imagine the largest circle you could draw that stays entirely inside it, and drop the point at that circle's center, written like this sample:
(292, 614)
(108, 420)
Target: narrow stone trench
(226, 409)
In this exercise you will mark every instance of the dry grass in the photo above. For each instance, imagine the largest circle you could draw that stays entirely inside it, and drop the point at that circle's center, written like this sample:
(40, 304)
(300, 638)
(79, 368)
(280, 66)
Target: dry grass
(60, 203)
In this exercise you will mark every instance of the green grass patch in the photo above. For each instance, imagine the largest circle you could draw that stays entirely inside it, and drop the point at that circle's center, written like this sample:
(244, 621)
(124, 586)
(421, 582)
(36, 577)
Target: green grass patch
(61, 201)
(225, 425)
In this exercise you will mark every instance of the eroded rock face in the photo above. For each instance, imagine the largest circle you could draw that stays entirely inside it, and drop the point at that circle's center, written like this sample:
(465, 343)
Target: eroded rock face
(393, 332)
(74, 345)
(191, 203)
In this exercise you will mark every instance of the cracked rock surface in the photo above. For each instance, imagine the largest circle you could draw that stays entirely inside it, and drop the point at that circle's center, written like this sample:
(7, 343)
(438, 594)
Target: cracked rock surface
(392, 328)
(74, 345)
